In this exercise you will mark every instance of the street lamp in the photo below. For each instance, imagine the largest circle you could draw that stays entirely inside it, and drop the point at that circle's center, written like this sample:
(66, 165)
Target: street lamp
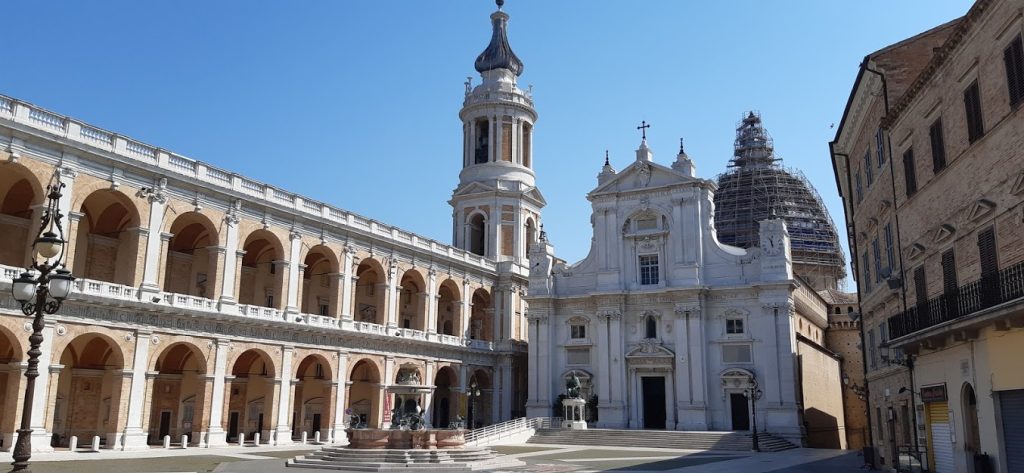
(753, 393)
(40, 290)
(857, 389)
(474, 394)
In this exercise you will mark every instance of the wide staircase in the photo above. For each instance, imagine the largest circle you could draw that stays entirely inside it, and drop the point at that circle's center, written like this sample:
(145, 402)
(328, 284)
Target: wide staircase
(735, 441)
(350, 459)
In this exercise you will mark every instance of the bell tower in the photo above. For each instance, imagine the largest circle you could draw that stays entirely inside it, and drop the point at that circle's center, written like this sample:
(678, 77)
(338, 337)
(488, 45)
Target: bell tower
(496, 206)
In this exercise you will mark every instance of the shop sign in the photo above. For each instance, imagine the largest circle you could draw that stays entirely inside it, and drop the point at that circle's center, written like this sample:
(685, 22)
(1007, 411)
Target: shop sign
(934, 393)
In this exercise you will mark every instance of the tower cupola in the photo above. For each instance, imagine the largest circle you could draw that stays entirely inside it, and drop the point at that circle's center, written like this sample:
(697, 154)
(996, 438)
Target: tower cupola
(498, 54)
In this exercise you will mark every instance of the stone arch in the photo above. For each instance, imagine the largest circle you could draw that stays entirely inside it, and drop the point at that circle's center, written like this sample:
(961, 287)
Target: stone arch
(320, 282)
(262, 273)
(369, 304)
(445, 399)
(449, 309)
(107, 241)
(20, 192)
(311, 406)
(89, 390)
(11, 354)
(481, 320)
(252, 397)
(969, 408)
(365, 393)
(193, 256)
(476, 233)
(530, 232)
(412, 300)
(177, 393)
(479, 406)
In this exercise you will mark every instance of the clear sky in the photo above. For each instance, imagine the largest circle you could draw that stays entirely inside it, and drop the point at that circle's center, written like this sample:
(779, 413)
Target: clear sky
(356, 103)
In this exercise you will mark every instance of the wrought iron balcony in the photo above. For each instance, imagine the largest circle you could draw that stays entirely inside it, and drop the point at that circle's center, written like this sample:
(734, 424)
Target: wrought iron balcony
(989, 291)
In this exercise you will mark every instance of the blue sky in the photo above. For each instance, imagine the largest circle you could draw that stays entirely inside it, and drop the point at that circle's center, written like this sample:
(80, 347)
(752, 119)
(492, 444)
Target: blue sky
(356, 103)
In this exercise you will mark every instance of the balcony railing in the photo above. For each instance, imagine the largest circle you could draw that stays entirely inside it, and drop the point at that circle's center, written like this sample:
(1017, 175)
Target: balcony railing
(991, 290)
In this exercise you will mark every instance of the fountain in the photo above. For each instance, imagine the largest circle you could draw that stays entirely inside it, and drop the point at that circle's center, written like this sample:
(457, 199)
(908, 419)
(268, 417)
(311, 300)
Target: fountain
(409, 441)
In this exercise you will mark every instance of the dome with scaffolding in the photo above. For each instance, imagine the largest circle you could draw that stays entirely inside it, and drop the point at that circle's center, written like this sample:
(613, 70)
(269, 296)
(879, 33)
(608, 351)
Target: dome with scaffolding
(758, 187)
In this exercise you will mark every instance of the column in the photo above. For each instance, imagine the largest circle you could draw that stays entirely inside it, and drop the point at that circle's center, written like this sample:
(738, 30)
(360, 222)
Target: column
(293, 304)
(531, 374)
(15, 386)
(604, 357)
(699, 386)
(347, 282)
(617, 369)
(391, 294)
(51, 402)
(200, 422)
(230, 268)
(40, 436)
(217, 436)
(338, 429)
(467, 308)
(284, 405)
(157, 206)
(66, 175)
(492, 242)
(431, 302)
(147, 408)
(505, 389)
(134, 436)
(428, 398)
(217, 256)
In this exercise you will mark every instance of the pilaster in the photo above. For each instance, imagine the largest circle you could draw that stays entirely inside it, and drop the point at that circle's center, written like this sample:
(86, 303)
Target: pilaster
(293, 302)
(284, 407)
(217, 435)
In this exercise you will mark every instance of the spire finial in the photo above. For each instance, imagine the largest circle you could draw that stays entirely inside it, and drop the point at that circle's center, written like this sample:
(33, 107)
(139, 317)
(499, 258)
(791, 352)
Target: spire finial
(500, 3)
(681, 146)
(643, 129)
(606, 157)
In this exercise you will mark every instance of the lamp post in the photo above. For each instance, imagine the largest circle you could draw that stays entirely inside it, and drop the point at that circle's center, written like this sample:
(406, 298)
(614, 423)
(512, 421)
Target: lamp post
(753, 392)
(40, 290)
(474, 394)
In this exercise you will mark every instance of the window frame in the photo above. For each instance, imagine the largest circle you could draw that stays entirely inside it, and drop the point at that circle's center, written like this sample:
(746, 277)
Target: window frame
(645, 276)
(735, 326)
(909, 172)
(973, 114)
(938, 144)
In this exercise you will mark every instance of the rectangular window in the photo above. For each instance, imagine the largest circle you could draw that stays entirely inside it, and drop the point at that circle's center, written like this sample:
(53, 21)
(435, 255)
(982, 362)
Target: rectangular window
(646, 224)
(876, 252)
(949, 284)
(972, 109)
(865, 264)
(920, 290)
(869, 175)
(1013, 56)
(890, 251)
(648, 269)
(860, 188)
(734, 326)
(938, 146)
(873, 349)
(909, 171)
(990, 293)
(883, 337)
(880, 146)
(736, 354)
(577, 356)
(578, 331)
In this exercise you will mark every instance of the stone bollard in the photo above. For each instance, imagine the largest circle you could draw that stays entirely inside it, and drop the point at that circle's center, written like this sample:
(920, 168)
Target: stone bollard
(241, 440)
(96, 443)
(167, 441)
(184, 442)
(305, 436)
(316, 437)
(256, 439)
(73, 444)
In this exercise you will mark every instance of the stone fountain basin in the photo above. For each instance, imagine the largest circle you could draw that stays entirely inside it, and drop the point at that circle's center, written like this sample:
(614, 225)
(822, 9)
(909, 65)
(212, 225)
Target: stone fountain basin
(427, 439)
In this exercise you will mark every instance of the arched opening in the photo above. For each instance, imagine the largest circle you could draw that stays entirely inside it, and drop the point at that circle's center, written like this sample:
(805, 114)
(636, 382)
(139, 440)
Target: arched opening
(477, 233)
(364, 395)
(262, 273)
(526, 144)
(11, 354)
(480, 397)
(412, 301)
(19, 193)
(89, 392)
(650, 327)
(320, 282)
(178, 394)
(370, 292)
(311, 406)
(481, 325)
(449, 314)
(972, 436)
(191, 266)
(445, 403)
(252, 401)
(482, 146)
(107, 242)
(531, 235)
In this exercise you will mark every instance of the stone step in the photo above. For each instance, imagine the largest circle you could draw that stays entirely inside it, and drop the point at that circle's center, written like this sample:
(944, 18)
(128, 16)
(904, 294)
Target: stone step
(736, 441)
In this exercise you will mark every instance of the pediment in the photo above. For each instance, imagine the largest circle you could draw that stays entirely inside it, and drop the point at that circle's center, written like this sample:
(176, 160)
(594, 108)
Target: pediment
(474, 188)
(641, 175)
(980, 209)
(650, 348)
(916, 250)
(943, 233)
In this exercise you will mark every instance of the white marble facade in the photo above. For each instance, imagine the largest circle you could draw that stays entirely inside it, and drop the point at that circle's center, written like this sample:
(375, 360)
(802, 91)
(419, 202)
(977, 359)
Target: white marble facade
(665, 325)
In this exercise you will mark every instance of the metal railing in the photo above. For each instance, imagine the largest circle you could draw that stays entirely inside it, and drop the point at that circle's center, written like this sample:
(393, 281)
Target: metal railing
(506, 429)
(990, 290)
(911, 459)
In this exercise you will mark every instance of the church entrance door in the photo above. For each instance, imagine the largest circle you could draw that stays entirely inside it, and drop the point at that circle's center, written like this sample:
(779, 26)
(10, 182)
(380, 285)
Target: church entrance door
(740, 411)
(653, 388)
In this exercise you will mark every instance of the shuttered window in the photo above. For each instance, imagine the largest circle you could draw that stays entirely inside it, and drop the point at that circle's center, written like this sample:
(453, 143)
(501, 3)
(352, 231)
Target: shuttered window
(920, 290)
(890, 251)
(938, 146)
(989, 267)
(1013, 56)
(880, 147)
(869, 175)
(909, 172)
(1011, 409)
(950, 289)
(972, 109)
(876, 252)
(867, 272)
(860, 188)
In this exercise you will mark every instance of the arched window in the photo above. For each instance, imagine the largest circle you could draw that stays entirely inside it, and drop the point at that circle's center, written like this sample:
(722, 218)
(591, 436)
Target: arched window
(482, 142)
(477, 231)
(651, 327)
(531, 235)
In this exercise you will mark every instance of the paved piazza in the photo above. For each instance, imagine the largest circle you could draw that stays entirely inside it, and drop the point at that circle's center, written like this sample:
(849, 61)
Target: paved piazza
(538, 458)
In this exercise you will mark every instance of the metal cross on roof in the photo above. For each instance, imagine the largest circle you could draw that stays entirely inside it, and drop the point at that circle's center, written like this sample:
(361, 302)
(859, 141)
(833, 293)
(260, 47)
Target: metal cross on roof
(643, 128)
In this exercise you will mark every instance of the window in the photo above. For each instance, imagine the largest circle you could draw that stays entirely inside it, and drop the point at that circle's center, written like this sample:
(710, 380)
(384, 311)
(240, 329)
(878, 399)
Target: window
(921, 291)
(909, 173)
(477, 233)
(860, 188)
(651, 327)
(1013, 56)
(990, 293)
(734, 326)
(649, 223)
(876, 252)
(482, 152)
(890, 251)
(866, 271)
(883, 335)
(318, 371)
(324, 307)
(869, 175)
(938, 146)
(949, 283)
(872, 348)
(648, 269)
(972, 109)
(577, 331)
(270, 300)
(736, 354)
(880, 147)
(577, 356)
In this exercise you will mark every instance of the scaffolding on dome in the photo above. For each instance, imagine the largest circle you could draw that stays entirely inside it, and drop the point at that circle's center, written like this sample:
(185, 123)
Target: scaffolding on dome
(757, 187)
